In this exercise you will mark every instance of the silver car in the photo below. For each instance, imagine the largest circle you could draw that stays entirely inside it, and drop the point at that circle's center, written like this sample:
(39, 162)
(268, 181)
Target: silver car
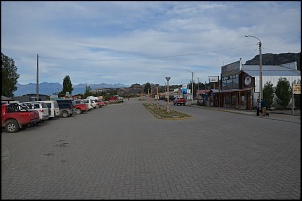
(42, 108)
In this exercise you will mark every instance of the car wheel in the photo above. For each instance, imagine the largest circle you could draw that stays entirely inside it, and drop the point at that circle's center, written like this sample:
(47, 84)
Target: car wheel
(11, 126)
(65, 114)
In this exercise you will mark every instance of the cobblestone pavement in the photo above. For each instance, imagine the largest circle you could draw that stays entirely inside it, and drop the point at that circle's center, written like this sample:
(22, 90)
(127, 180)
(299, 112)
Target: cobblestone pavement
(122, 151)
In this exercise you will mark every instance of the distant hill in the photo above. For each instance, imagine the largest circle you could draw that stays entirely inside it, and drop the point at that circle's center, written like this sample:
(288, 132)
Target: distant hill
(276, 59)
(46, 88)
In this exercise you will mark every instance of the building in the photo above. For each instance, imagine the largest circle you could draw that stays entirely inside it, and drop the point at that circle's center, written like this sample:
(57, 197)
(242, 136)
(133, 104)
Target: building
(31, 97)
(239, 84)
(6, 100)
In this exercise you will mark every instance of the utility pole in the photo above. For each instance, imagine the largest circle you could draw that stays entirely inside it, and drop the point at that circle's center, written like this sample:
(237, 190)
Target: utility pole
(37, 85)
(192, 89)
(192, 86)
(260, 51)
(168, 104)
(260, 63)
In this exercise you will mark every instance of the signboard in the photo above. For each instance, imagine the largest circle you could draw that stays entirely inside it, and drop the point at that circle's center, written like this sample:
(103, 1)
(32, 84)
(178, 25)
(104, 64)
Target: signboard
(213, 78)
(184, 89)
(296, 88)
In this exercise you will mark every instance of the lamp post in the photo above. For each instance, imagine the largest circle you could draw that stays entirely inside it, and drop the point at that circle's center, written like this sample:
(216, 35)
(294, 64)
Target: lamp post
(157, 97)
(260, 75)
(192, 85)
(168, 105)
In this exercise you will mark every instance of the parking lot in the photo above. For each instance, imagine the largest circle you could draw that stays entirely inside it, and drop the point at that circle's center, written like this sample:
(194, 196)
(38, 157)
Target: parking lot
(122, 151)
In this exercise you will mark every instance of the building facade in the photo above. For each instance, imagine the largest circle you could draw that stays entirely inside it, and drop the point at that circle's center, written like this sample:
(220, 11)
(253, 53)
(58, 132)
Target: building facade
(239, 84)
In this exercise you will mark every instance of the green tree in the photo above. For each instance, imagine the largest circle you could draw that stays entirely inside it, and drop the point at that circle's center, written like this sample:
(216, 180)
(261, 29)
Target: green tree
(88, 91)
(283, 92)
(67, 86)
(147, 87)
(9, 76)
(268, 94)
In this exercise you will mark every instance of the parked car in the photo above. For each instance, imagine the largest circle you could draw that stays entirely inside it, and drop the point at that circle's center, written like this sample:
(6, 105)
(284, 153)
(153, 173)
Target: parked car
(54, 108)
(116, 98)
(23, 107)
(88, 103)
(94, 103)
(42, 108)
(66, 107)
(80, 106)
(13, 118)
(101, 103)
(179, 101)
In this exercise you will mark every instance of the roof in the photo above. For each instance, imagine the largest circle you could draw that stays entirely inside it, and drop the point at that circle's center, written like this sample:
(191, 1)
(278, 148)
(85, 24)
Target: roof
(4, 98)
(289, 69)
(202, 91)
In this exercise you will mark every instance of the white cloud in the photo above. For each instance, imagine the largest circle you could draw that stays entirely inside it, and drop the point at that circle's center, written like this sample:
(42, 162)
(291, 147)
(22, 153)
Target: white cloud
(139, 42)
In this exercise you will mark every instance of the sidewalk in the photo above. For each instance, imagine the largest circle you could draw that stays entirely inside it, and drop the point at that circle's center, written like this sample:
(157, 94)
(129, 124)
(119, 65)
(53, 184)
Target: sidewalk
(273, 114)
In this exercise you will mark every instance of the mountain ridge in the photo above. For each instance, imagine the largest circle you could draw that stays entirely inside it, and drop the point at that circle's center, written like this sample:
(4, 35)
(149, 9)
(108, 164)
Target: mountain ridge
(48, 88)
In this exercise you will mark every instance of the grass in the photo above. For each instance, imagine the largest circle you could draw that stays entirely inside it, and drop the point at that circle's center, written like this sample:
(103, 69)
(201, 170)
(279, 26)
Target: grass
(161, 112)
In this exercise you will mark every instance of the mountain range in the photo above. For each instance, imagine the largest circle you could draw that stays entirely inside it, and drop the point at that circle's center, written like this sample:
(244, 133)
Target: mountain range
(47, 88)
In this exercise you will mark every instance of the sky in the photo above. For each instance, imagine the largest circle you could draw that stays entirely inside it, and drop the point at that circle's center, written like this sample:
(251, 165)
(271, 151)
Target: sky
(130, 42)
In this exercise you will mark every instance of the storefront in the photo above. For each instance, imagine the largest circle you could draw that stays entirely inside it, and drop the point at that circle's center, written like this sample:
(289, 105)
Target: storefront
(240, 99)
(236, 88)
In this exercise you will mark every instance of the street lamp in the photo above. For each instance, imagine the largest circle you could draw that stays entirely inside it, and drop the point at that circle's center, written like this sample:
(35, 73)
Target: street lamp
(260, 75)
(168, 105)
(192, 84)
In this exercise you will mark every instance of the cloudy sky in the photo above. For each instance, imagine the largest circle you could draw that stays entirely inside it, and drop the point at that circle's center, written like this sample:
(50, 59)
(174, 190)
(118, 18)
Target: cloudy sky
(131, 42)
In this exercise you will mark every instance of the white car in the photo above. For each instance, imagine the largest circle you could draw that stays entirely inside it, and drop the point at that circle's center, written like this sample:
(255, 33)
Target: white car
(54, 108)
(88, 103)
(42, 108)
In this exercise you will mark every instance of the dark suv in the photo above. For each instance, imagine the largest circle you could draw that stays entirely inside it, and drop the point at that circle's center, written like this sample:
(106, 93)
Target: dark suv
(67, 107)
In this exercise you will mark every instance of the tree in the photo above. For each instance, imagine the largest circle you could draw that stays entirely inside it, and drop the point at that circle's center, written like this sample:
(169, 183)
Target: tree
(9, 76)
(283, 92)
(268, 94)
(87, 92)
(67, 86)
(147, 87)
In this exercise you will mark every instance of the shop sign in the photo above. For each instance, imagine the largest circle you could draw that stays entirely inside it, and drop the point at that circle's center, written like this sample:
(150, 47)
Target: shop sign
(296, 88)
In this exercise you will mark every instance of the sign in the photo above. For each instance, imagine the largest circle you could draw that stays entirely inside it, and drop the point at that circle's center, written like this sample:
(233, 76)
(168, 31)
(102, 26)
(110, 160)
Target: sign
(247, 80)
(184, 89)
(213, 78)
(296, 88)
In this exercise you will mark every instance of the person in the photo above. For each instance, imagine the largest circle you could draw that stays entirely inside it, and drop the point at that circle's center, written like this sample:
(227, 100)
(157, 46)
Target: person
(263, 106)
(258, 106)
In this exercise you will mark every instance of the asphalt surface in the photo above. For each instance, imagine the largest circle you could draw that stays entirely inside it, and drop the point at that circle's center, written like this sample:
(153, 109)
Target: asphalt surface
(122, 151)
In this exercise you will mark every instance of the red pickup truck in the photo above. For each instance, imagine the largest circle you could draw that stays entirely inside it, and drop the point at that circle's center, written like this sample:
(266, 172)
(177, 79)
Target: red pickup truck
(13, 118)
(179, 101)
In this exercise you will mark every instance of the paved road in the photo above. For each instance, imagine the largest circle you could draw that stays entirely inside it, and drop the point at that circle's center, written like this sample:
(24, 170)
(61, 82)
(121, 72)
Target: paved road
(124, 152)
